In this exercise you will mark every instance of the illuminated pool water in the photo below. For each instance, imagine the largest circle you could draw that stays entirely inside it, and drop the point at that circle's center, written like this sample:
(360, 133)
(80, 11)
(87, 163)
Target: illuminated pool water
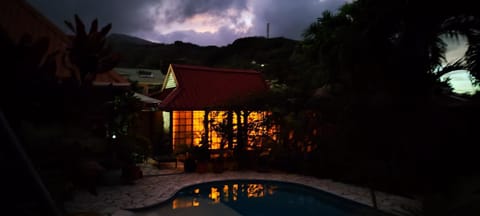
(255, 197)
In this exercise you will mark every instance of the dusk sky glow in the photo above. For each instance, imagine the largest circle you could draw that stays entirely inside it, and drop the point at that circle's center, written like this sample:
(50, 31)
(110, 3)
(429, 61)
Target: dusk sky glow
(208, 22)
(202, 22)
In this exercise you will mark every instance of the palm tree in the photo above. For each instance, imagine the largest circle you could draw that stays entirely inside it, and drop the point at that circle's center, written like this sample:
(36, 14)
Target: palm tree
(370, 42)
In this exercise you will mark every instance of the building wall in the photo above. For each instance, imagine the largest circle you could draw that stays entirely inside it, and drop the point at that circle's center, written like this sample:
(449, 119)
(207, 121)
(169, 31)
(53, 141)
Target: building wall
(18, 18)
(150, 125)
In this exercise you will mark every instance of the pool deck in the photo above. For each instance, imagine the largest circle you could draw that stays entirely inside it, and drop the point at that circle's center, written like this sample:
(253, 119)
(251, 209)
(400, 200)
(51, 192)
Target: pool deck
(159, 185)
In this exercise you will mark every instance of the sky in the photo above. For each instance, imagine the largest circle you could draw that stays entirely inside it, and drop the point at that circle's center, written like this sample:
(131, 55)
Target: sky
(202, 22)
(459, 80)
(209, 22)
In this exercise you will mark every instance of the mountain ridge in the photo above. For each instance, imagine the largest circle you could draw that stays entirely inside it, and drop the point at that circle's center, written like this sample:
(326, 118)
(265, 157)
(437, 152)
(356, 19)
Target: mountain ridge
(243, 53)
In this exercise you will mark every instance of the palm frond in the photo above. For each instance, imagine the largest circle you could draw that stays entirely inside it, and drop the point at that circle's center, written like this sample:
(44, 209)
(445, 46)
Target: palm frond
(80, 27)
(104, 31)
(458, 65)
(472, 56)
(70, 26)
(94, 26)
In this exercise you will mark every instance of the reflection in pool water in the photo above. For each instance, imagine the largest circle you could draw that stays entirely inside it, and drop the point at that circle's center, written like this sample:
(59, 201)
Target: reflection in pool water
(228, 192)
(256, 198)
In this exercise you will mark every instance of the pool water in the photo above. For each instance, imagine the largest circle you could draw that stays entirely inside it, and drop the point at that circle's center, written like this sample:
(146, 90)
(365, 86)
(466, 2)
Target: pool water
(255, 197)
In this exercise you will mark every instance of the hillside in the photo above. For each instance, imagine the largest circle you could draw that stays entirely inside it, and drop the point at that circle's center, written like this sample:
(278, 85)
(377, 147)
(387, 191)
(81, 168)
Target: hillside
(118, 39)
(241, 53)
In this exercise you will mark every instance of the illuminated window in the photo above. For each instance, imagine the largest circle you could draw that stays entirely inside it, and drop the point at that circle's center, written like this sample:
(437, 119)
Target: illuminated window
(216, 118)
(259, 131)
(187, 127)
(182, 128)
(198, 127)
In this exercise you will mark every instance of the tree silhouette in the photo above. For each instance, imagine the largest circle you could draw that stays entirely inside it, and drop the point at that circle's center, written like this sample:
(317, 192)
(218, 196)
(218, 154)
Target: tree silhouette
(372, 45)
(88, 50)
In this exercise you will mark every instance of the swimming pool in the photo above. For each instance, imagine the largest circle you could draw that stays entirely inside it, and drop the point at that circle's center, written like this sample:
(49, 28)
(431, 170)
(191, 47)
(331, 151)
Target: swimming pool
(256, 197)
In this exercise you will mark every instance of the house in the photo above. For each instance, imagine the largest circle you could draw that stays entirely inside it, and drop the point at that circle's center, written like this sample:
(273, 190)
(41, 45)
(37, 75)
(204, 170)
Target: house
(18, 18)
(110, 78)
(198, 100)
(148, 79)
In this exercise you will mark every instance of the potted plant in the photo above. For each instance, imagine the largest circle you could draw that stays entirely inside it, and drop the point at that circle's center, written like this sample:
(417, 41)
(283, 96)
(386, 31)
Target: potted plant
(263, 155)
(185, 151)
(189, 164)
(201, 154)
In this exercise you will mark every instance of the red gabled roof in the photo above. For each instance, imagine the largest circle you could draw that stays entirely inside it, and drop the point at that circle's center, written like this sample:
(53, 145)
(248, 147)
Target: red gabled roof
(204, 87)
(161, 95)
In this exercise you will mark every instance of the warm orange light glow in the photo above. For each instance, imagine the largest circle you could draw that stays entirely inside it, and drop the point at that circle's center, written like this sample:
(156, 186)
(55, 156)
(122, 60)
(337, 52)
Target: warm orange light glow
(195, 202)
(214, 195)
(181, 128)
(198, 127)
(235, 192)
(196, 191)
(188, 128)
(217, 117)
(225, 193)
(182, 203)
(271, 190)
(255, 190)
(291, 134)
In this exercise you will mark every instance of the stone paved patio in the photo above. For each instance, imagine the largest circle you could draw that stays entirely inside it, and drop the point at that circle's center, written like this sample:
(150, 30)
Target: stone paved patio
(158, 185)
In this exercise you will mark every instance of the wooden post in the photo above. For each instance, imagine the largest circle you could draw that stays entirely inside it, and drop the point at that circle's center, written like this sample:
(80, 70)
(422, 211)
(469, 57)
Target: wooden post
(230, 129)
(205, 126)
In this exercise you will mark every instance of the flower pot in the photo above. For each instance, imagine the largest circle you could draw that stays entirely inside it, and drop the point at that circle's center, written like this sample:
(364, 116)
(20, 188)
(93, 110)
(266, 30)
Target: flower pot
(202, 166)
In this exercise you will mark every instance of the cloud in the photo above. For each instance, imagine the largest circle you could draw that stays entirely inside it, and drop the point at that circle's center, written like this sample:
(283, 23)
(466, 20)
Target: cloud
(126, 16)
(180, 10)
(201, 38)
(289, 18)
(203, 22)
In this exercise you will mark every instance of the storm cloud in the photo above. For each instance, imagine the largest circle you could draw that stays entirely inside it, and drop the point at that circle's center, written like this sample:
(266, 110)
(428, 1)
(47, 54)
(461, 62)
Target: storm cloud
(203, 22)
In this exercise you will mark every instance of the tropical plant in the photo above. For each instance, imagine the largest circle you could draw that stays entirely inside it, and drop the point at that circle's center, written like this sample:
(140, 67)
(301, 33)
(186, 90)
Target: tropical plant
(88, 50)
(366, 44)
(124, 109)
(388, 58)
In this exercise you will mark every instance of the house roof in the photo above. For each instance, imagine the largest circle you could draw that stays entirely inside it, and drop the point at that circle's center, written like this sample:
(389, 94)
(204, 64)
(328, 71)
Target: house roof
(204, 87)
(144, 76)
(110, 78)
(18, 18)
